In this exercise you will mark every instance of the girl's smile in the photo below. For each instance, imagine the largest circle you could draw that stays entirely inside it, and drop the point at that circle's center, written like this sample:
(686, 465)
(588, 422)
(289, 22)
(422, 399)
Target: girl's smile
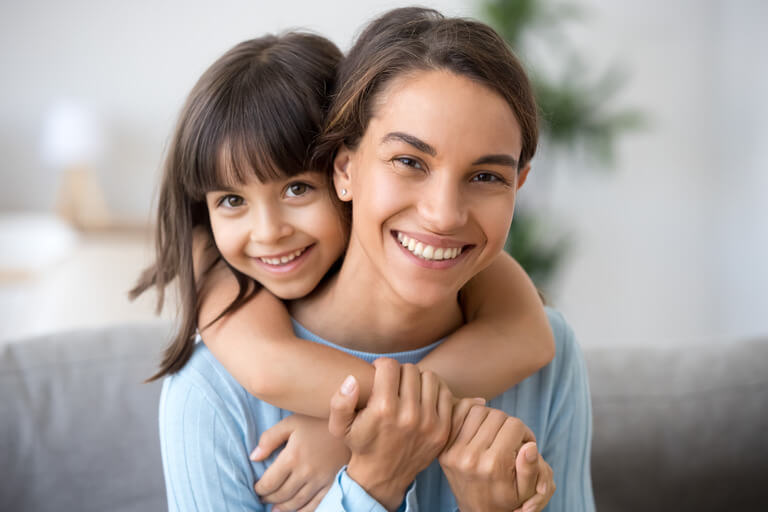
(284, 233)
(285, 262)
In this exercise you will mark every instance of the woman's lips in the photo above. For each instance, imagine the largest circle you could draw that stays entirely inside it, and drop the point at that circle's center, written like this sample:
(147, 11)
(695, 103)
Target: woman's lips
(443, 254)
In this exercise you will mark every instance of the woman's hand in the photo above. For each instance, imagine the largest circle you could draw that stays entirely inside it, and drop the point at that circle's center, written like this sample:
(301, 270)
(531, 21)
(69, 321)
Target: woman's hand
(304, 471)
(399, 433)
(492, 463)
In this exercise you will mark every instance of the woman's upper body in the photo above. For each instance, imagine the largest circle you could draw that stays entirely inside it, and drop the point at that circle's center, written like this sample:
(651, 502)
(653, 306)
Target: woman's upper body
(209, 422)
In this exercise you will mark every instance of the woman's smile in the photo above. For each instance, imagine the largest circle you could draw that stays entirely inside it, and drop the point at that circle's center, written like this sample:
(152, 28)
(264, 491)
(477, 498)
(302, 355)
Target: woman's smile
(433, 183)
(430, 251)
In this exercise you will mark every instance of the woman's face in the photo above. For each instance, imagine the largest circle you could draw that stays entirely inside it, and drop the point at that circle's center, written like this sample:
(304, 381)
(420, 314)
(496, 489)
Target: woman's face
(285, 233)
(432, 183)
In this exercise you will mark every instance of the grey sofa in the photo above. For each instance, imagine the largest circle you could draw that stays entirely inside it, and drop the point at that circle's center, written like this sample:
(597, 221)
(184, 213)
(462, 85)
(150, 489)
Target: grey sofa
(673, 429)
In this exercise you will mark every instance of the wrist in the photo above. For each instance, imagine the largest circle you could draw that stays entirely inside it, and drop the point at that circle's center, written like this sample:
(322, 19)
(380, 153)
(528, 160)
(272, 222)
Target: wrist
(389, 490)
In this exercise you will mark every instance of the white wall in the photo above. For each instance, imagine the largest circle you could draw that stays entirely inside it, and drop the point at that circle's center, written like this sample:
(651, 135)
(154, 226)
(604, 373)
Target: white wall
(132, 63)
(670, 247)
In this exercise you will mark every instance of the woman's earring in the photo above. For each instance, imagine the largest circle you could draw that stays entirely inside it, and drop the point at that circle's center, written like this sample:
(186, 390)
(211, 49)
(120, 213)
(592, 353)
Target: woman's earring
(343, 192)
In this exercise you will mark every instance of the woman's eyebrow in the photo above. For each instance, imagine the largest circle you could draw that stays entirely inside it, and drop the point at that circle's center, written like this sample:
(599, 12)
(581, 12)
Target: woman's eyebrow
(500, 159)
(411, 140)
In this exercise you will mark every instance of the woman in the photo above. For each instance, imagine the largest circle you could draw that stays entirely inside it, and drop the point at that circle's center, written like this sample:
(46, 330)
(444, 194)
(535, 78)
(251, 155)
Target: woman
(430, 136)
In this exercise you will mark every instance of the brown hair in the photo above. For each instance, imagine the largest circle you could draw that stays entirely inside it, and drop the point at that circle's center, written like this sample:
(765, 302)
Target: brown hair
(412, 39)
(255, 112)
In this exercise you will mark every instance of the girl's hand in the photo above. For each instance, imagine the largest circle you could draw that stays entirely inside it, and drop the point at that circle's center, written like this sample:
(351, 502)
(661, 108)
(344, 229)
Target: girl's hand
(492, 464)
(399, 433)
(304, 471)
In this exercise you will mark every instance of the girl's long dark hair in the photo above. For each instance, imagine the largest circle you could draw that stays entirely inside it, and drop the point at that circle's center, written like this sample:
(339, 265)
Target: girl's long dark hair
(256, 112)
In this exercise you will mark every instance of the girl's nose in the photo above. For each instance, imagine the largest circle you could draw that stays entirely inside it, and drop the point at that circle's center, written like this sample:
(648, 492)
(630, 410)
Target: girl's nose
(269, 226)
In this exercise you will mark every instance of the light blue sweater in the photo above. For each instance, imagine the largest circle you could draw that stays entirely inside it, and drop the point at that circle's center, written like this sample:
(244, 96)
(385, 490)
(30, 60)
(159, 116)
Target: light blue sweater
(209, 424)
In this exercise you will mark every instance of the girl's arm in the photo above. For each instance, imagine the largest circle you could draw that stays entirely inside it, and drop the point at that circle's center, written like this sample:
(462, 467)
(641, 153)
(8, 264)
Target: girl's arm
(507, 338)
(257, 346)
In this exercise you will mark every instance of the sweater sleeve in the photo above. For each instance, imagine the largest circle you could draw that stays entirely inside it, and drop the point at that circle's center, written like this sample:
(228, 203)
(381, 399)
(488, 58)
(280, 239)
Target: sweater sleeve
(569, 435)
(346, 495)
(204, 455)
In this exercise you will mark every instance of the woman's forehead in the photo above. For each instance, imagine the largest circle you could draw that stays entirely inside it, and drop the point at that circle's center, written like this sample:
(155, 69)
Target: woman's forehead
(445, 110)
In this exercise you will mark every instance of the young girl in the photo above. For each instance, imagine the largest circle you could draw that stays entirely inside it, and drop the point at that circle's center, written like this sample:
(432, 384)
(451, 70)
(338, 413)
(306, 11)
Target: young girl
(236, 174)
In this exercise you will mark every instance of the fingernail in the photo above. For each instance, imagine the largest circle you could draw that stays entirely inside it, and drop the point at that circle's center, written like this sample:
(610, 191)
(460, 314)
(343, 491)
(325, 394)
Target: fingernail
(480, 400)
(541, 488)
(531, 453)
(256, 453)
(349, 385)
(529, 507)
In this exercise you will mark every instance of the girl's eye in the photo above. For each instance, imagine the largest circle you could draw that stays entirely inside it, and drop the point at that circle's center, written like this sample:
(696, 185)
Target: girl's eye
(407, 162)
(231, 201)
(297, 189)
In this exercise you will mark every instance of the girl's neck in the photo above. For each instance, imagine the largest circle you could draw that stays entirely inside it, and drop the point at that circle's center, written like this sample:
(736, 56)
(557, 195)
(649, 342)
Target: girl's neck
(357, 309)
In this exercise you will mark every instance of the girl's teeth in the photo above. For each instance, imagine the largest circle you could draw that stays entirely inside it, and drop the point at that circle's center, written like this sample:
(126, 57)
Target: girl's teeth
(283, 260)
(428, 252)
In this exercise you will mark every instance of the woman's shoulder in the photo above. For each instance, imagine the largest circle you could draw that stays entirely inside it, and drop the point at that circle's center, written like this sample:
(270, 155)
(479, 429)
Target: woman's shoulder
(565, 339)
(568, 364)
(203, 380)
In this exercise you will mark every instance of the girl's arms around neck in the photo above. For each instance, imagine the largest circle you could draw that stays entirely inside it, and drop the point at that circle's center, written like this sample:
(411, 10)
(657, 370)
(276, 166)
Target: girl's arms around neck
(506, 338)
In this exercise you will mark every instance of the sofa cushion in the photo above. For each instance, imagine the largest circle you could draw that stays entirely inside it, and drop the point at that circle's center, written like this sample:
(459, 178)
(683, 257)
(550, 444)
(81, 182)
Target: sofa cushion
(78, 427)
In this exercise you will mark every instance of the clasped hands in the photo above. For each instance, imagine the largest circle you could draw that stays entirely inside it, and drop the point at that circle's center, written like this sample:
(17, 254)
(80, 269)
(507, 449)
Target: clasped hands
(490, 459)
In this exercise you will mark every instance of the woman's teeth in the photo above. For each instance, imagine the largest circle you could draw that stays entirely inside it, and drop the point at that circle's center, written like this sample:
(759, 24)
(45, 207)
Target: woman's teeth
(285, 259)
(428, 252)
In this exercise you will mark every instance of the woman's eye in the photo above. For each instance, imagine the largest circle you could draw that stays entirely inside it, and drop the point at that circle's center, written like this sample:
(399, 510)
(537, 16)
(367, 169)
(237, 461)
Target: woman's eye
(408, 162)
(297, 189)
(231, 201)
(487, 177)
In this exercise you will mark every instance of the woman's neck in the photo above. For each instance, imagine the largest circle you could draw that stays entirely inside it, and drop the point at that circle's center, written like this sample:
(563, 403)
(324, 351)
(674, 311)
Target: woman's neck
(357, 309)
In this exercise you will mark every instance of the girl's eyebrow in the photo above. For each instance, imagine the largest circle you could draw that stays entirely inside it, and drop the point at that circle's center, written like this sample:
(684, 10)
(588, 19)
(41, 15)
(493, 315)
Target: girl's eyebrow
(499, 159)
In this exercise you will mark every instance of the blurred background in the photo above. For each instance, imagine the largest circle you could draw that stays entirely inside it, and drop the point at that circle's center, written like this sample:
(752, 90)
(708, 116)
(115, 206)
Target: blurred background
(644, 220)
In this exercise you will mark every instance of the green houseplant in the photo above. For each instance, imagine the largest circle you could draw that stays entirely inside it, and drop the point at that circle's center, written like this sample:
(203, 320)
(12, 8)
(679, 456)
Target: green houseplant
(576, 108)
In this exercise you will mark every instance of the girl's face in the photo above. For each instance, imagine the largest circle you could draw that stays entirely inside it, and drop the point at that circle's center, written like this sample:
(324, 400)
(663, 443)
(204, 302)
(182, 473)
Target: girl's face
(433, 183)
(285, 234)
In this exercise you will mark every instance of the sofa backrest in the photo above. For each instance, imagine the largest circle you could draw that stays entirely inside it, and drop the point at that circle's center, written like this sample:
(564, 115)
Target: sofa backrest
(78, 427)
(680, 428)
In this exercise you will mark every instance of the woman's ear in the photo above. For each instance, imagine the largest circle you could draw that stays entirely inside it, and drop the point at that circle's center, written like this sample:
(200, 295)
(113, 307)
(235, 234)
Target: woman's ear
(342, 180)
(522, 175)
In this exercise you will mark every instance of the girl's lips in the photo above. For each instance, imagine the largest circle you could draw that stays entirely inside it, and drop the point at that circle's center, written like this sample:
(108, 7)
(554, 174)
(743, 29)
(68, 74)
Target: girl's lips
(289, 266)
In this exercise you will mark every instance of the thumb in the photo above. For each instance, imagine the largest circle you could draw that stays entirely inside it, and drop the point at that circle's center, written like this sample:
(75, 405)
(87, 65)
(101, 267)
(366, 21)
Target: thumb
(343, 404)
(527, 468)
(272, 438)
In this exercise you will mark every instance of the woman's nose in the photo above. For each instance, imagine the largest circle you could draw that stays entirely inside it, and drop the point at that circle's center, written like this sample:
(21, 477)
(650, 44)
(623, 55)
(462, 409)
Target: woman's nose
(268, 225)
(442, 207)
